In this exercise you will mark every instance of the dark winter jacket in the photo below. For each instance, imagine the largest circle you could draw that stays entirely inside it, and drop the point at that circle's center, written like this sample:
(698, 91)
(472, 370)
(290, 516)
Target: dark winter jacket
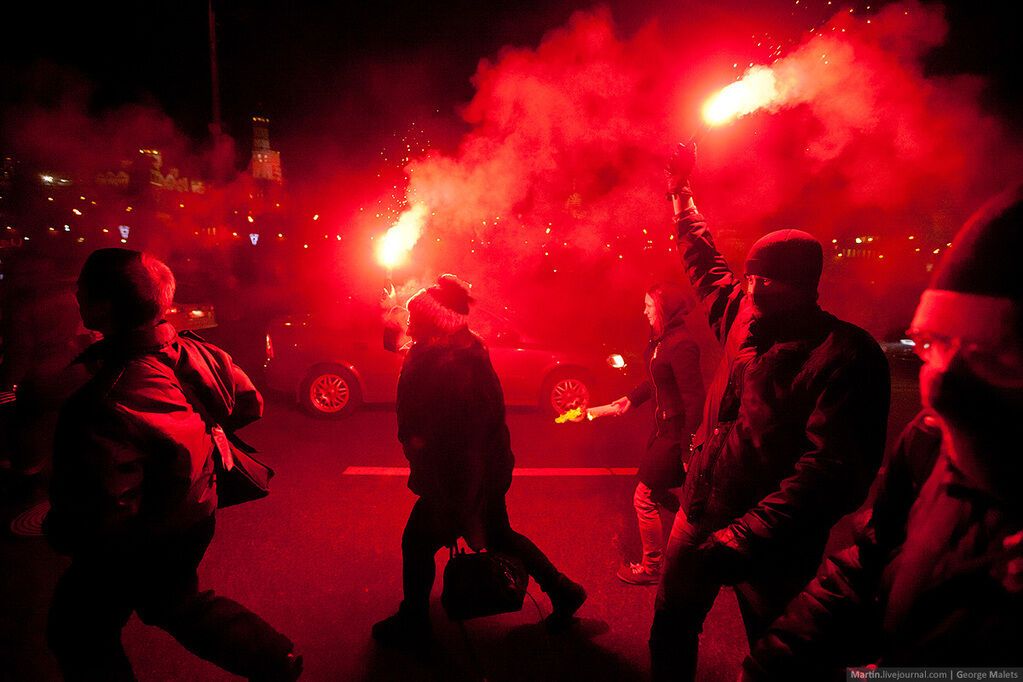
(923, 584)
(794, 425)
(133, 457)
(675, 383)
(451, 424)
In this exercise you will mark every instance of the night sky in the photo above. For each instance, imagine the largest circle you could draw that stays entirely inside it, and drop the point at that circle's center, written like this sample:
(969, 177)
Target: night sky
(535, 132)
(335, 77)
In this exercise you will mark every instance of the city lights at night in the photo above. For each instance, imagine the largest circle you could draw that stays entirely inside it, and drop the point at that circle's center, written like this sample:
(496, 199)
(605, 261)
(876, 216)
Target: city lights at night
(693, 323)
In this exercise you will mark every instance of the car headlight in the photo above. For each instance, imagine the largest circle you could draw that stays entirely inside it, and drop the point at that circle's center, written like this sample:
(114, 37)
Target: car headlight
(616, 361)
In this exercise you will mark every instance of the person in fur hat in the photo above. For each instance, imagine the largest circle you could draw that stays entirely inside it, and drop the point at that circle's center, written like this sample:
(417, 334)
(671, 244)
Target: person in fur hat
(451, 424)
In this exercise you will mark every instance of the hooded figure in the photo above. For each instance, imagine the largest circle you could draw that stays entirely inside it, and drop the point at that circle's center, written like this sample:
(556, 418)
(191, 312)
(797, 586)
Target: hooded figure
(672, 359)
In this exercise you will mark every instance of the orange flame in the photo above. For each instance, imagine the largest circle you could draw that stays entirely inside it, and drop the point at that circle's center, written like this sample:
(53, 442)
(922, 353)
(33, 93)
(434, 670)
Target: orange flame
(757, 89)
(398, 241)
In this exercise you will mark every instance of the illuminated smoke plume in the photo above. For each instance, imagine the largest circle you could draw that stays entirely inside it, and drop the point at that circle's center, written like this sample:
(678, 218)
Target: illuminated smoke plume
(757, 89)
(398, 241)
(556, 193)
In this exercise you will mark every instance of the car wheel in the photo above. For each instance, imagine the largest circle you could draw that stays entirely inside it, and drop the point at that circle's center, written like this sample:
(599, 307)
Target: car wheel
(564, 392)
(330, 391)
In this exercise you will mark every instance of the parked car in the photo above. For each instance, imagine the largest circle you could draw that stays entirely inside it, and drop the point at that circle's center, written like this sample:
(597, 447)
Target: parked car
(903, 361)
(191, 316)
(333, 364)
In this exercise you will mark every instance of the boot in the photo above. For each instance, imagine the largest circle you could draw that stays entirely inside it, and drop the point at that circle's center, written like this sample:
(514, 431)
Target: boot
(566, 598)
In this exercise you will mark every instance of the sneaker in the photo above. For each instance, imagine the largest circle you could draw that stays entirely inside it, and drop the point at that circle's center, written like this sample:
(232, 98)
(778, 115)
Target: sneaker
(566, 599)
(638, 574)
(404, 631)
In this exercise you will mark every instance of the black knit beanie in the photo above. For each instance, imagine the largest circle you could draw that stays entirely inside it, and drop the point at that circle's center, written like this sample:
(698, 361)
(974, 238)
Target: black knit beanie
(791, 256)
(985, 254)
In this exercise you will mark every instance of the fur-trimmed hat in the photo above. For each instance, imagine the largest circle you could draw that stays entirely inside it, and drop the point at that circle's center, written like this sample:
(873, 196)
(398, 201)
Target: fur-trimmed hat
(443, 307)
(976, 290)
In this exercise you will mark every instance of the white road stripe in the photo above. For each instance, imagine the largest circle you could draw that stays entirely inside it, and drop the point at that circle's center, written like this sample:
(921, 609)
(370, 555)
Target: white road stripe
(519, 471)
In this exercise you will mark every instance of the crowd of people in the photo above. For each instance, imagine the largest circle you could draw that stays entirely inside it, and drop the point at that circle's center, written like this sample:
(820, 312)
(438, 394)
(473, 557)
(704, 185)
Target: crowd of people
(786, 440)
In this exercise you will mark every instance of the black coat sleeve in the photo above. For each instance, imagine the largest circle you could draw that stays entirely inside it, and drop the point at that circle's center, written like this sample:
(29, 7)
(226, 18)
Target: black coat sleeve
(845, 435)
(685, 366)
(98, 472)
(827, 626)
(642, 393)
(719, 290)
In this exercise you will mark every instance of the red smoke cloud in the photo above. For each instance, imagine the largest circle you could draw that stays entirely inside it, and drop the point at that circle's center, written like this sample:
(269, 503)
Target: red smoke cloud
(560, 173)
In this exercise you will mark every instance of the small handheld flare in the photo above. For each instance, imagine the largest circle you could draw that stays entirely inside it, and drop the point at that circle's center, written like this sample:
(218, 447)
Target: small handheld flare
(393, 249)
(697, 137)
(757, 89)
(573, 415)
(602, 411)
(578, 414)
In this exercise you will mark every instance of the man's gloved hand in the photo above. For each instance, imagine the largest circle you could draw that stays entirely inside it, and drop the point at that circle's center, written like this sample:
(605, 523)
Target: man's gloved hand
(724, 559)
(680, 167)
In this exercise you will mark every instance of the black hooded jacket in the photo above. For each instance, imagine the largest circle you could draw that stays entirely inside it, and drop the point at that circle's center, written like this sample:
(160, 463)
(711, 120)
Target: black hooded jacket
(925, 582)
(133, 457)
(676, 384)
(794, 425)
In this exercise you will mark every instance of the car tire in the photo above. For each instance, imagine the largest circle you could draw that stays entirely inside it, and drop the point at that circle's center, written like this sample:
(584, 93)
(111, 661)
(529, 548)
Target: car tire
(565, 390)
(330, 392)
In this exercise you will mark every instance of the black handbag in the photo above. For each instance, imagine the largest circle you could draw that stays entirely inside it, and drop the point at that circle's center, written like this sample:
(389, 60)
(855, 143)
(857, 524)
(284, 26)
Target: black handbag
(478, 584)
(240, 476)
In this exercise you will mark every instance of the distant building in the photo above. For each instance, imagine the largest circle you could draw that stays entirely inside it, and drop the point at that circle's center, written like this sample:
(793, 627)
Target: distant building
(266, 162)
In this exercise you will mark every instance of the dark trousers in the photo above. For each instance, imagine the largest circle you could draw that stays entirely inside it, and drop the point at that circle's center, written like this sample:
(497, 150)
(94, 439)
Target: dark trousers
(157, 579)
(688, 590)
(426, 533)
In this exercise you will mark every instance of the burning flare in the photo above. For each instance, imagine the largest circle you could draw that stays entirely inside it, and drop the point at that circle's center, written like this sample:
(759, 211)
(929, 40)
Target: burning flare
(573, 415)
(398, 241)
(756, 90)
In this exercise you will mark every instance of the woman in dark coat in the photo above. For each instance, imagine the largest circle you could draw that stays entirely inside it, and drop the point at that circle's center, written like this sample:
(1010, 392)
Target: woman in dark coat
(451, 424)
(676, 385)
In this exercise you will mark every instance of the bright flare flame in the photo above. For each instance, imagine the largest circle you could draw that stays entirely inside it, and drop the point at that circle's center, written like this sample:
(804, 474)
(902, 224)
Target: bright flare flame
(573, 415)
(396, 244)
(757, 89)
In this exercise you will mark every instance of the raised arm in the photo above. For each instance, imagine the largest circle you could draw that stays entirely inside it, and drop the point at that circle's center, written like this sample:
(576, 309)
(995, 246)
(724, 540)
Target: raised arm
(719, 290)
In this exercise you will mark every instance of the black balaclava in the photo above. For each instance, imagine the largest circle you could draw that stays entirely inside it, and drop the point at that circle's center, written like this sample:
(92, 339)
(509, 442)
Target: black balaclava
(975, 297)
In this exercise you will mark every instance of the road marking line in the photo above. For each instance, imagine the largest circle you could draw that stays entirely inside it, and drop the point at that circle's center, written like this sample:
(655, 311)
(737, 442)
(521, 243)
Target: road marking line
(521, 471)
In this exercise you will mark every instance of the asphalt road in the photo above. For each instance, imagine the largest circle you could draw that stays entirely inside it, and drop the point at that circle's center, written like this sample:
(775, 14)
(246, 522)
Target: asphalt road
(320, 560)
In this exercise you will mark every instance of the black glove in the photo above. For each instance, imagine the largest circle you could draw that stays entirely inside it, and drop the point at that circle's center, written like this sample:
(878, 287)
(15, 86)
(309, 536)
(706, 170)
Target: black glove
(723, 560)
(680, 167)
